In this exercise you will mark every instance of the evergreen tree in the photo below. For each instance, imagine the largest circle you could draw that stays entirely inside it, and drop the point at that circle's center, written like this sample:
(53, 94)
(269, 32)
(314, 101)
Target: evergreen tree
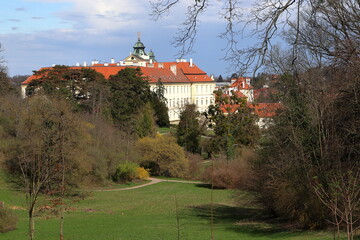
(233, 123)
(188, 131)
(158, 101)
(5, 86)
(85, 87)
(129, 94)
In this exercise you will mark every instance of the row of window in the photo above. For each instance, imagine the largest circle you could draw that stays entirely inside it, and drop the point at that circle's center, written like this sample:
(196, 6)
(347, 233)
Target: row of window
(199, 101)
(182, 89)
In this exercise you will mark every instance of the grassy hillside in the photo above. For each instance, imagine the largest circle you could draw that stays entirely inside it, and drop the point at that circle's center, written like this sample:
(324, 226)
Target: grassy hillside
(150, 213)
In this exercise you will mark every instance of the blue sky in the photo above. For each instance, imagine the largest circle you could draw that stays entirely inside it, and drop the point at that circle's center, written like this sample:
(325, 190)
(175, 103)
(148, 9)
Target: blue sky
(40, 33)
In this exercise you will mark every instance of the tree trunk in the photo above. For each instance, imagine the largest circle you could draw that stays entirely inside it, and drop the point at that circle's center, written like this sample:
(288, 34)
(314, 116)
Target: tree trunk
(62, 224)
(31, 224)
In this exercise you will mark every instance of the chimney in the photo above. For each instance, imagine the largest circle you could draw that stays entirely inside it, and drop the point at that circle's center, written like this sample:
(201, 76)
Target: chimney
(160, 65)
(78, 64)
(191, 62)
(151, 61)
(173, 69)
(106, 64)
(112, 60)
(85, 64)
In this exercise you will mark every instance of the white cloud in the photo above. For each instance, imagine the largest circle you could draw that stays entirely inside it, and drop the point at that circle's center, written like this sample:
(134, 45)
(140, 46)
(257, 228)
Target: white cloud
(102, 14)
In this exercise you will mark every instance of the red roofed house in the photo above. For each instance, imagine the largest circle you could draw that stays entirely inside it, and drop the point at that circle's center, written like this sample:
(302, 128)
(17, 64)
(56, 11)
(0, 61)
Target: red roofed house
(241, 87)
(265, 112)
(184, 82)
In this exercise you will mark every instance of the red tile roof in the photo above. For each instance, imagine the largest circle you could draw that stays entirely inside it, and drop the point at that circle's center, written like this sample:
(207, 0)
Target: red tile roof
(240, 83)
(265, 110)
(262, 110)
(184, 73)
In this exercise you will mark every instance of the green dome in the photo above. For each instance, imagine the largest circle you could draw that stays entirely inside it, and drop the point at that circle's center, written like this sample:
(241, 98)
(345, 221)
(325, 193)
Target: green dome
(139, 44)
(151, 54)
(139, 48)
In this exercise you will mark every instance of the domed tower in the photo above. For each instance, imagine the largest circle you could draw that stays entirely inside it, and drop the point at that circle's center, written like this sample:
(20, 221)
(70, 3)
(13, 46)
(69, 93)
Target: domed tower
(151, 55)
(139, 48)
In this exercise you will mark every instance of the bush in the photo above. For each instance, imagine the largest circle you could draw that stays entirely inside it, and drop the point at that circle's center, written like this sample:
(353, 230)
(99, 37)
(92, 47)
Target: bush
(142, 173)
(8, 220)
(230, 174)
(196, 166)
(163, 156)
(125, 172)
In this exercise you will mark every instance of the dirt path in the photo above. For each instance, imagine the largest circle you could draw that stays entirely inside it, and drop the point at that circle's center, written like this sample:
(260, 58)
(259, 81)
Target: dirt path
(153, 181)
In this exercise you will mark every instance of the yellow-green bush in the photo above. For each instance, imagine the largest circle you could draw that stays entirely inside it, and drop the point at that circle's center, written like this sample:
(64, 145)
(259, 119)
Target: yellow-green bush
(142, 173)
(125, 172)
(163, 156)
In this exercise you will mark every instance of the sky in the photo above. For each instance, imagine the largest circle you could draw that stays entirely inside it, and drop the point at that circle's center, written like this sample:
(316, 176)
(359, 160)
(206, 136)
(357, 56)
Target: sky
(40, 33)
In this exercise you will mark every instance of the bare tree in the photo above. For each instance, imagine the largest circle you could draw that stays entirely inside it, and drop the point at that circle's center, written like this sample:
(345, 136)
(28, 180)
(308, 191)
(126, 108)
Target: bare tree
(45, 139)
(336, 25)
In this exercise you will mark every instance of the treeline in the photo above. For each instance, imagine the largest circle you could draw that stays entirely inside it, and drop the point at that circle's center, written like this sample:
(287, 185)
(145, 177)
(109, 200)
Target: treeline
(77, 129)
(98, 120)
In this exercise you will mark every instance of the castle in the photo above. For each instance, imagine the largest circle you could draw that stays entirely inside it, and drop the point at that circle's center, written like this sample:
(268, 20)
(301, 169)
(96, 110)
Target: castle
(183, 81)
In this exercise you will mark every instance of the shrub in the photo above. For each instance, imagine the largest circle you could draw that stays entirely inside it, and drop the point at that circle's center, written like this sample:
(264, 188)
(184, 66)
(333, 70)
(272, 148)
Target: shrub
(230, 174)
(125, 172)
(163, 156)
(8, 220)
(142, 173)
(196, 165)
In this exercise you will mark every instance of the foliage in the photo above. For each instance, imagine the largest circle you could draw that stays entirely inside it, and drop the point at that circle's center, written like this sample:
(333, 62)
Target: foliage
(18, 79)
(142, 173)
(197, 165)
(44, 148)
(188, 132)
(234, 174)
(129, 99)
(162, 156)
(104, 150)
(8, 220)
(85, 88)
(158, 102)
(129, 94)
(233, 123)
(312, 147)
(125, 172)
(5, 86)
(145, 122)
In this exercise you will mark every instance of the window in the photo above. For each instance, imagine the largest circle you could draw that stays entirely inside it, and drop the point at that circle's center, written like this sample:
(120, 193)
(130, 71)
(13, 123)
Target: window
(202, 103)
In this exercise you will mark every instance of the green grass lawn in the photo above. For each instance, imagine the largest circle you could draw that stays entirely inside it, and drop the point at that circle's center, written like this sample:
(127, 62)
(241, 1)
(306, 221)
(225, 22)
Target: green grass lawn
(166, 130)
(149, 213)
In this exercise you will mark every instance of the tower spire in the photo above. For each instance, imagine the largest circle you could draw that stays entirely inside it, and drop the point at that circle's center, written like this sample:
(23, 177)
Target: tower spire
(139, 34)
